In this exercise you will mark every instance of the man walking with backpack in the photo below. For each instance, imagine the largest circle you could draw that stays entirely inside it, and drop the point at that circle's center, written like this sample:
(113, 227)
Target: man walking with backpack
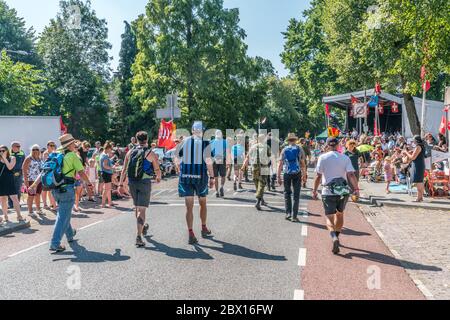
(292, 164)
(195, 168)
(59, 176)
(140, 164)
(335, 172)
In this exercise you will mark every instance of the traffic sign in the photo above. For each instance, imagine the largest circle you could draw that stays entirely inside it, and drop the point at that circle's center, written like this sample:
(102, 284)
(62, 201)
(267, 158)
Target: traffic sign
(167, 113)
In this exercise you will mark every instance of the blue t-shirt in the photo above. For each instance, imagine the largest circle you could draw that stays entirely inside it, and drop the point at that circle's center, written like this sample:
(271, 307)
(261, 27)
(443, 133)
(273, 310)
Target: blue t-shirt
(219, 149)
(193, 168)
(104, 157)
(237, 151)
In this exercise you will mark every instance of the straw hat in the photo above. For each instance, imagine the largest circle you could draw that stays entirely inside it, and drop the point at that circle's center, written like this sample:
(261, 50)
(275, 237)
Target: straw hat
(292, 137)
(66, 140)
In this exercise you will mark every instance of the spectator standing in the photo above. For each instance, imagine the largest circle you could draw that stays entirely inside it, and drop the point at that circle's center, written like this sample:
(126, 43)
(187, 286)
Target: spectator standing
(107, 170)
(417, 171)
(7, 185)
(31, 170)
(19, 155)
(51, 148)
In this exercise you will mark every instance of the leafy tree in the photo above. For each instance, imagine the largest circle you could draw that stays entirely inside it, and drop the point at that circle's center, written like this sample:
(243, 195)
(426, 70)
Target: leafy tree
(74, 48)
(15, 36)
(21, 86)
(196, 48)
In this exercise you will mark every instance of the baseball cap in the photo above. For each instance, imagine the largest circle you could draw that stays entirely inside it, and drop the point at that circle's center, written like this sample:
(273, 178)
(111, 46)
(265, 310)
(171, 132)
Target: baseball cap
(332, 141)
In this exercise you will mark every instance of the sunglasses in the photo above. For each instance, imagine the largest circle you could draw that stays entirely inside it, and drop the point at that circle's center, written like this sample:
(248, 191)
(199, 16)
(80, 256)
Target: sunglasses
(52, 145)
(1, 151)
(36, 150)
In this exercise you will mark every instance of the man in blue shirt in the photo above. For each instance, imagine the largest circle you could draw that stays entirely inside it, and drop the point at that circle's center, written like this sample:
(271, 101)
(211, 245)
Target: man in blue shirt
(195, 168)
(220, 165)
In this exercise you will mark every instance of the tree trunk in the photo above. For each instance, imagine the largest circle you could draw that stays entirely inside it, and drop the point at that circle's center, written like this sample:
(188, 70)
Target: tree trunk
(190, 72)
(413, 119)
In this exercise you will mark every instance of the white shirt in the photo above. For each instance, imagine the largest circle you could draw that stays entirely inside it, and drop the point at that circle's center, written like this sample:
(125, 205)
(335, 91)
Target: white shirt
(332, 165)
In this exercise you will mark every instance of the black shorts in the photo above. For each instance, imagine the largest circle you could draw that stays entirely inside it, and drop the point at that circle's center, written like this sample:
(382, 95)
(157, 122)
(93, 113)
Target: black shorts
(141, 192)
(220, 170)
(107, 177)
(334, 204)
(100, 178)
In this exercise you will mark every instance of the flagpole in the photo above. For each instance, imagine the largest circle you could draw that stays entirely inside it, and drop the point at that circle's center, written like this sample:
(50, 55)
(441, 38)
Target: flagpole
(422, 121)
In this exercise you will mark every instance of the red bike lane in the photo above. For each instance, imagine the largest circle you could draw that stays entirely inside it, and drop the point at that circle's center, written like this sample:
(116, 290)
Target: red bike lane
(365, 269)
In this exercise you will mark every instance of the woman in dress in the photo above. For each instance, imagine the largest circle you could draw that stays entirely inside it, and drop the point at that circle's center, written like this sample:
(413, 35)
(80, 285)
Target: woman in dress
(417, 171)
(7, 187)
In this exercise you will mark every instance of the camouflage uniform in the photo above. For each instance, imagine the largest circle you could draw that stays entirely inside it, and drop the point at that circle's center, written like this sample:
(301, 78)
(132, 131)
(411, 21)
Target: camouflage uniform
(259, 159)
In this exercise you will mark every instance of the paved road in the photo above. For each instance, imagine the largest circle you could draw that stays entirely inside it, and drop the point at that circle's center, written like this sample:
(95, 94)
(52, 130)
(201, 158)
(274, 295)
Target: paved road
(254, 255)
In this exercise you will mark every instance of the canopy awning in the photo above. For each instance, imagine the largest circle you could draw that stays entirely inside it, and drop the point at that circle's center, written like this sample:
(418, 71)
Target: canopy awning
(343, 101)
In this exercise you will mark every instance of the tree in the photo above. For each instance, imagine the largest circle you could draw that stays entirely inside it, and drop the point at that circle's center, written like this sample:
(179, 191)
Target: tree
(74, 48)
(14, 35)
(196, 48)
(21, 86)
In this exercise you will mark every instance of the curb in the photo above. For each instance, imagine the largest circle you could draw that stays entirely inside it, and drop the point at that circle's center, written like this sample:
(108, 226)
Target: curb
(13, 227)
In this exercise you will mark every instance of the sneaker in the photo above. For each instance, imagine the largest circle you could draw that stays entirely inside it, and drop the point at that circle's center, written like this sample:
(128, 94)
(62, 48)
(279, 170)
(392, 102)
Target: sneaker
(296, 220)
(192, 239)
(264, 203)
(139, 242)
(32, 215)
(336, 244)
(258, 207)
(217, 195)
(58, 249)
(73, 237)
(235, 187)
(206, 233)
(40, 212)
(145, 230)
(222, 192)
(240, 186)
(288, 217)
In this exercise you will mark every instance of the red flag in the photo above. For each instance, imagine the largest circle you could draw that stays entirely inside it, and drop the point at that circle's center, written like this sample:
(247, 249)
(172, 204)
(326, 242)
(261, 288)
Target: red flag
(62, 126)
(377, 88)
(426, 86)
(394, 107)
(448, 126)
(166, 135)
(354, 100)
(375, 128)
(443, 125)
(423, 73)
(327, 110)
(446, 108)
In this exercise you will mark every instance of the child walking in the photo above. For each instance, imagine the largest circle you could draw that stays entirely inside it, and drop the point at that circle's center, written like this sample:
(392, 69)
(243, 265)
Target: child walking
(91, 172)
(388, 173)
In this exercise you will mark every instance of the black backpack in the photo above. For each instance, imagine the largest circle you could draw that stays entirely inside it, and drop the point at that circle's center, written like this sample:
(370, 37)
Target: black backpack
(138, 164)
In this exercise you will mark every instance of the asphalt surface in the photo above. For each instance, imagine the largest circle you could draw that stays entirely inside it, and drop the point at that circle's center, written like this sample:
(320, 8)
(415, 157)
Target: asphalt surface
(253, 255)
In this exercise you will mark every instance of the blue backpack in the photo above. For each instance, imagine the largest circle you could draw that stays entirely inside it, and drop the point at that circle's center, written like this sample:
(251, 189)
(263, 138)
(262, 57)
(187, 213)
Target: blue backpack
(291, 159)
(52, 172)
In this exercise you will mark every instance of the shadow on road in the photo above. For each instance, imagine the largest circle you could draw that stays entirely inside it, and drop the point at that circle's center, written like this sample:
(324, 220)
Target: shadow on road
(83, 255)
(385, 259)
(345, 231)
(241, 251)
(178, 252)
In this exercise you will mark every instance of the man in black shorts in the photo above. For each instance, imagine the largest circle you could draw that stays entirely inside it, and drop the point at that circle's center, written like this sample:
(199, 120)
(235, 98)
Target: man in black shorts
(139, 165)
(221, 163)
(334, 171)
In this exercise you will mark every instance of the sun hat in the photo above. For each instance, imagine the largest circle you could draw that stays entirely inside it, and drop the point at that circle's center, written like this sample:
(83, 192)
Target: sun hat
(292, 137)
(66, 140)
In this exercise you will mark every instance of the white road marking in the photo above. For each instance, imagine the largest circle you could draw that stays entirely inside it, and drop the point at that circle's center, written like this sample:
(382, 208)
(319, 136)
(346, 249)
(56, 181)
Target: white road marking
(302, 257)
(424, 289)
(159, 192)
(304, 231)
(379, 234)
(91, 225)
(210, 205)
(299, 295)
(31, 248)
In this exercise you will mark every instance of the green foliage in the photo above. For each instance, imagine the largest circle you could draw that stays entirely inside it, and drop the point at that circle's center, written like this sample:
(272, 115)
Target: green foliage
(196, 48)
(76, 63)
(21, 86)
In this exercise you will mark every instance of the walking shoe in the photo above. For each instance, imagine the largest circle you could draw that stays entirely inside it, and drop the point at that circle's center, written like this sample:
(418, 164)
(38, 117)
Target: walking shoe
(206, 233)
(295, 219)
(240, 186)
(58, 249)
(73, 237)
(336, 244)
(40, 212)
(145, 230)
(217, 195)
(288, 217)
(139, 242)
(222, 192)
(258, 206)
(264, 203)
(192, 239)
(32, 215)
(235, 186)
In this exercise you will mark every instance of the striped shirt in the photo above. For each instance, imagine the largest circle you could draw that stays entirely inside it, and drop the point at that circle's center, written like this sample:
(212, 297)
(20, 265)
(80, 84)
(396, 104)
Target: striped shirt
(193, 169)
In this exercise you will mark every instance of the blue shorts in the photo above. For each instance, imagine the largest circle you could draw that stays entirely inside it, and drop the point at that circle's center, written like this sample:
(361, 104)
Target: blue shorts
(190, 190)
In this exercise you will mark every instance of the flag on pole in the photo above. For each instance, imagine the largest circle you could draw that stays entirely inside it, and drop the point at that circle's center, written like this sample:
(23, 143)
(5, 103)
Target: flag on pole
(425, 83)
(166, 136)
(377, 88)
(63, 127)
(327, 110)
(443, 126)
(375, 127)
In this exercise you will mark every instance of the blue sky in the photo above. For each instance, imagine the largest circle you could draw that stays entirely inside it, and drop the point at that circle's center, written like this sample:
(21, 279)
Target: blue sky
(263, 20)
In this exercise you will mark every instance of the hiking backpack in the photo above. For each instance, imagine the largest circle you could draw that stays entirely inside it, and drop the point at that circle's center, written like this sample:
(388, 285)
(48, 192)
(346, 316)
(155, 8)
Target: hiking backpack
(292, 159)
(138, 164)
(52, 172)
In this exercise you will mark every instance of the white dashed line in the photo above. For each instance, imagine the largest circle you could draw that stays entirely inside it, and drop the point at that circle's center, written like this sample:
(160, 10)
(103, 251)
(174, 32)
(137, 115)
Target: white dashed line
(31, 248)
(302, 257)
(423, 289)
(304, 231)
(299, 295)
(91, 225)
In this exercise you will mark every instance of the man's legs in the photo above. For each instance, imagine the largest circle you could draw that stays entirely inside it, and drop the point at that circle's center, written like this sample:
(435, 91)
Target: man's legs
(62, 226)
(189, 201)
(203, 210)
(140, 219)
(296, 182)
(287, 195)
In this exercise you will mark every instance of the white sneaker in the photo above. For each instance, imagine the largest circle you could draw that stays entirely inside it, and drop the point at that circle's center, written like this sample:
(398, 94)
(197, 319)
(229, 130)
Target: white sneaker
(32, 215)
(40, 212)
